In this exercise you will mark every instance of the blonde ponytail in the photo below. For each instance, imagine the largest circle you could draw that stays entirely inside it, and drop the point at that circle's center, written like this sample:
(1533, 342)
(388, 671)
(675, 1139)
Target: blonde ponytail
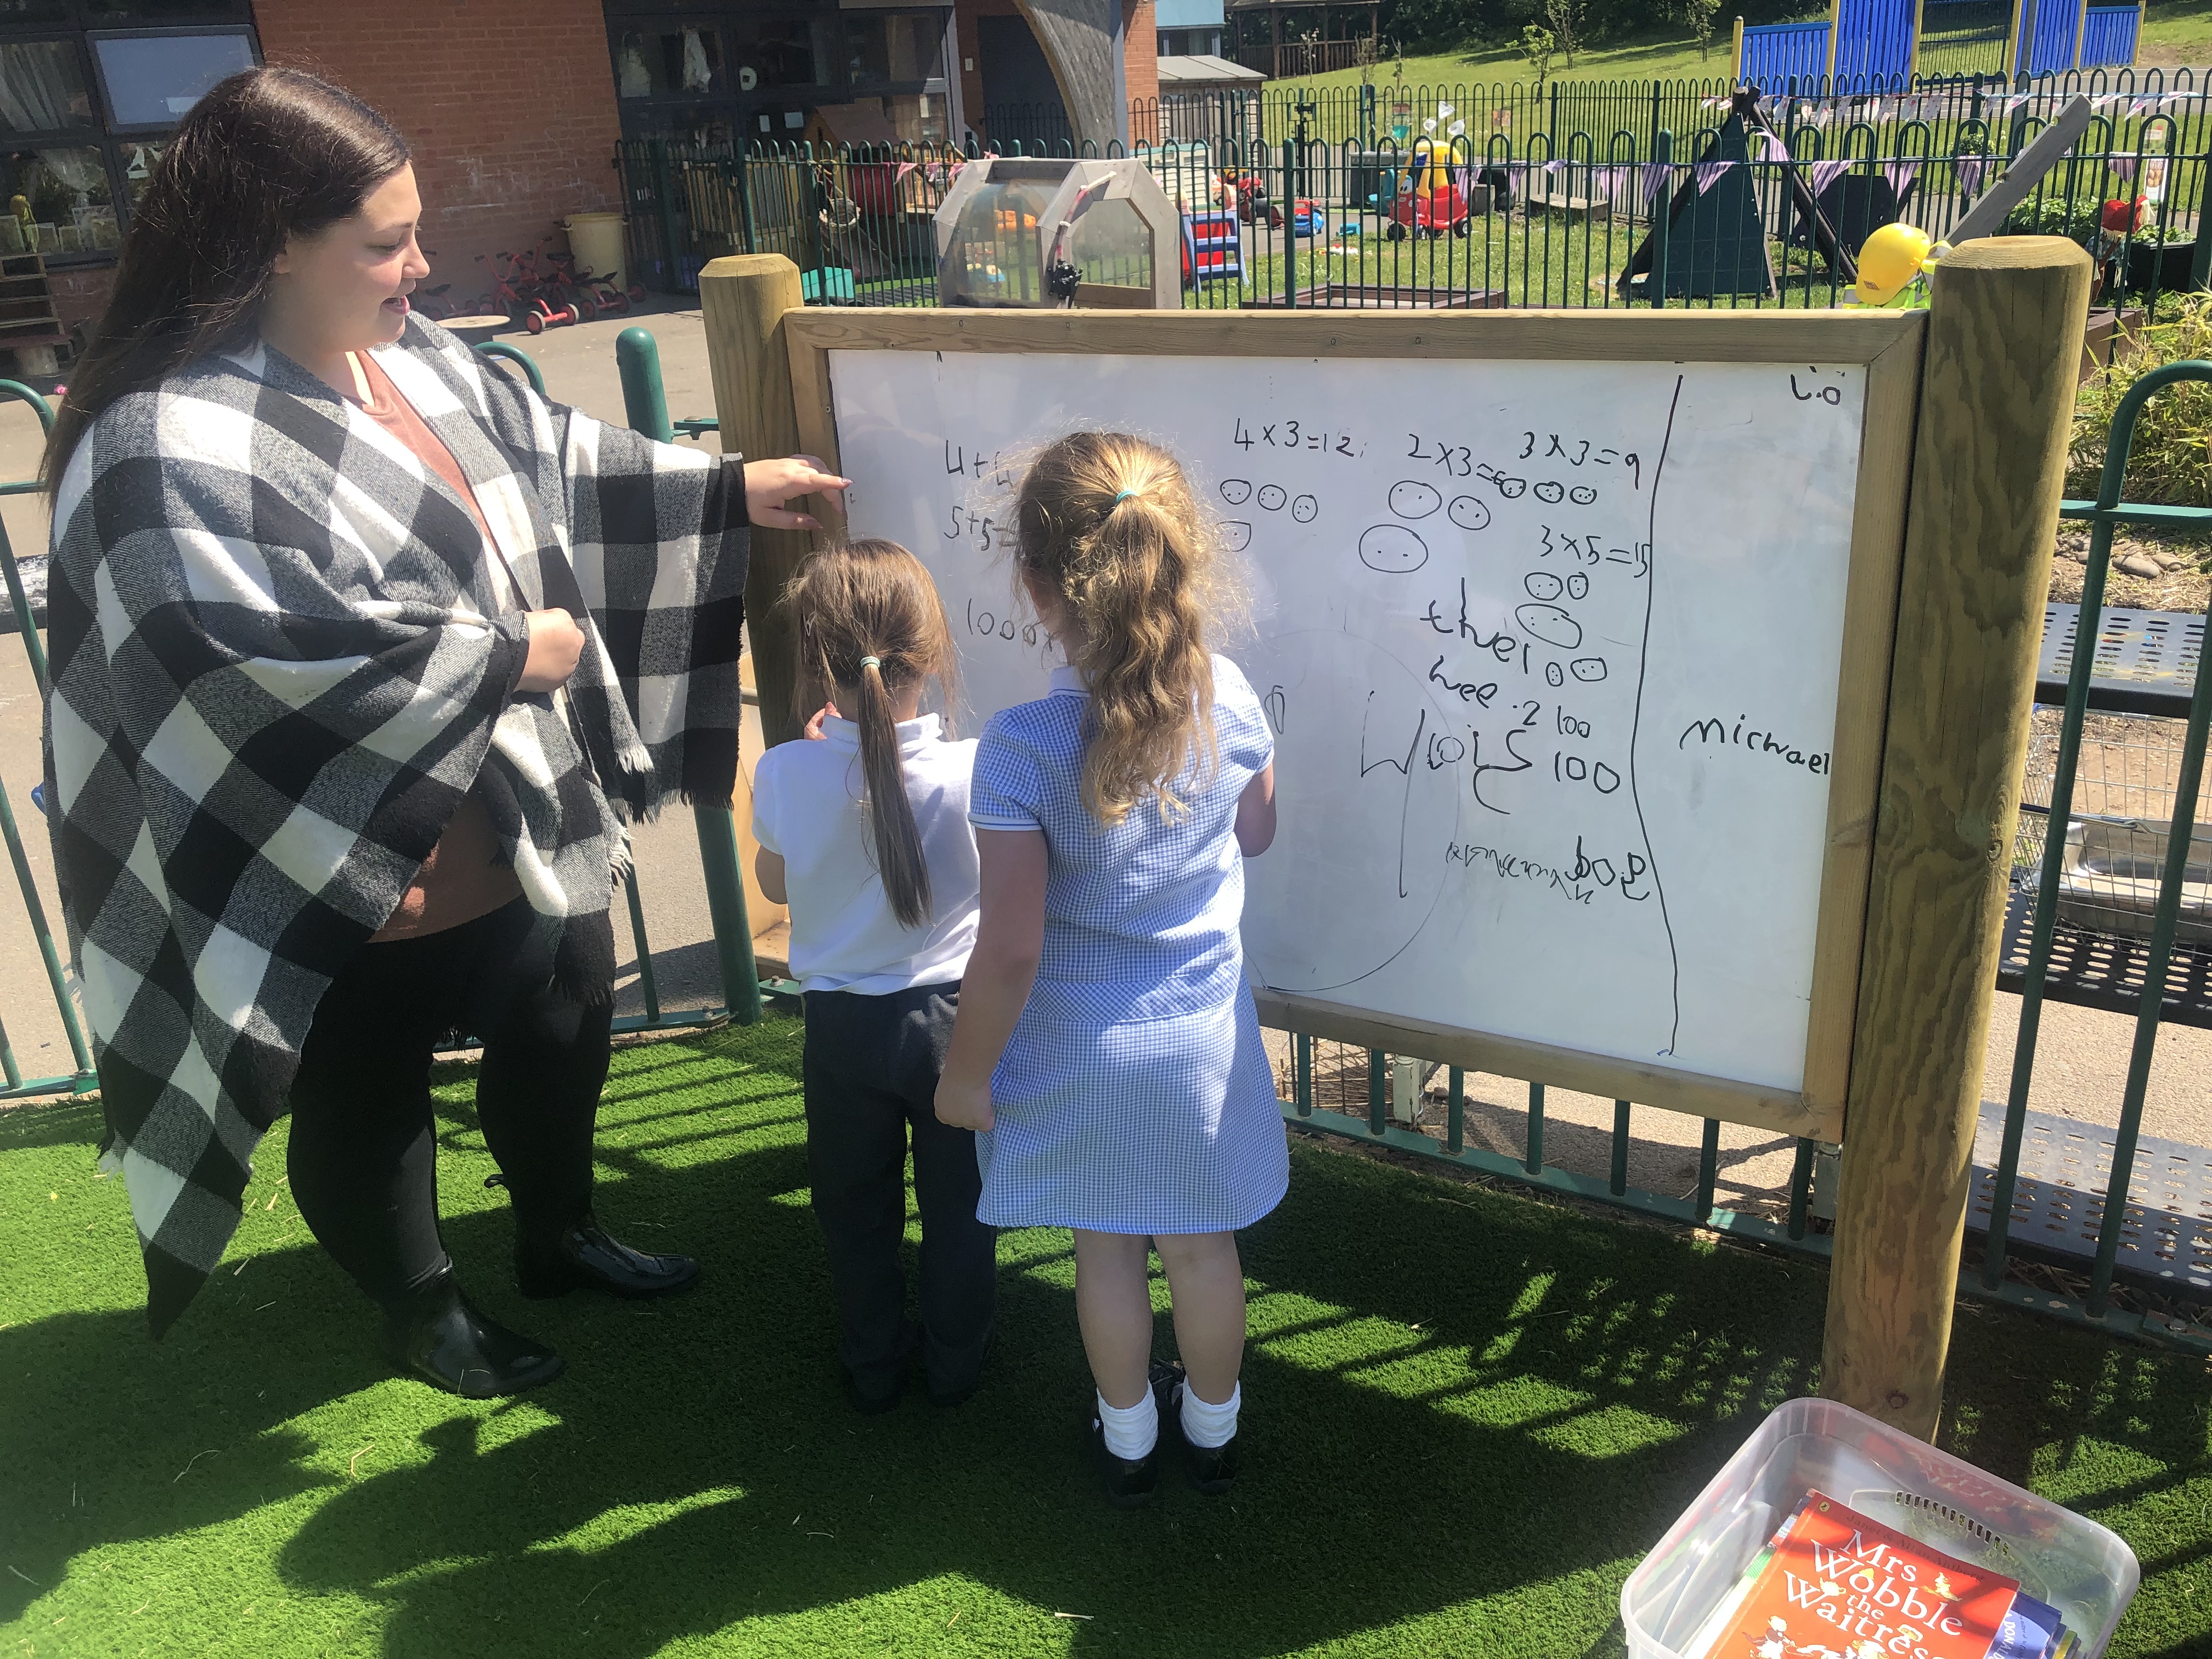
(1107, 521)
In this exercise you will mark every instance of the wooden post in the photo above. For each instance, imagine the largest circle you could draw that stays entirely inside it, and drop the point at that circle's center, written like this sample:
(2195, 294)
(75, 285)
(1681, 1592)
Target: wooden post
(743, 298)
(1835, 23)
(1912, 61)
(1996, 399)
(1736, 77)
(2012, 43)
(2081, 28)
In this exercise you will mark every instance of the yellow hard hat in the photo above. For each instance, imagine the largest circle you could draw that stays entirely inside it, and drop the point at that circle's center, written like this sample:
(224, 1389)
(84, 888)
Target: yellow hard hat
(1889, 261)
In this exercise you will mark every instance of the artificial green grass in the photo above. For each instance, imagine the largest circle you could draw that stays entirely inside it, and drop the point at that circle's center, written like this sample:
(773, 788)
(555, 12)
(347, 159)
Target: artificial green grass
(1469, 1415)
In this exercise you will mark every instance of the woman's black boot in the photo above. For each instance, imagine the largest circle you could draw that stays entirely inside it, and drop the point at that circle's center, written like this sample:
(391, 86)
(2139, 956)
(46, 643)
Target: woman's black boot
(438, 1336)
(587, 1256)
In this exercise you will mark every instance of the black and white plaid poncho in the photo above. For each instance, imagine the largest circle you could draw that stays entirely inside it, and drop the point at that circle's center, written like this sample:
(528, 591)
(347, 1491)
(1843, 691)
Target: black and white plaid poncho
(282, 652)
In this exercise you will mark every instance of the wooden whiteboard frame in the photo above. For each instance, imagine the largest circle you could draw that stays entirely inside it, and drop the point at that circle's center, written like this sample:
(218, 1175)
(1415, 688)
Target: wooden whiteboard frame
(1887, 343)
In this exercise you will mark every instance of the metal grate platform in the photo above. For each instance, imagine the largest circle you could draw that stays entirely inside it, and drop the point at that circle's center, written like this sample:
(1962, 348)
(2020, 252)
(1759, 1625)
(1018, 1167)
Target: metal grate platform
(2145, 661)
(2103, 971)
(2058, 1202)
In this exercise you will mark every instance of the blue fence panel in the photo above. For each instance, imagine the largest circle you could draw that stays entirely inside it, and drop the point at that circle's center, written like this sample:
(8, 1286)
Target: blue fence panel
(1776, 53)
(1873, 42)
(2049, 30)
(2108, 38)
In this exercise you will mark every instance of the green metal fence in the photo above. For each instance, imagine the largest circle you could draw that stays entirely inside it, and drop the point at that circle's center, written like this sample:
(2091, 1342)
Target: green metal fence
(715, 825)
(1588, 196)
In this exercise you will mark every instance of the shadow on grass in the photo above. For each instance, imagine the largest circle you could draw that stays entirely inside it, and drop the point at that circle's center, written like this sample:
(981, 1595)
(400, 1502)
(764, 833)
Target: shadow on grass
(1458, 1404)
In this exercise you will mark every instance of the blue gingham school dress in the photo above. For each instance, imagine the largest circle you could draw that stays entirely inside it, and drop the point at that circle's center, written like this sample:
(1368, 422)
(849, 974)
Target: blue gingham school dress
(1135, 1096)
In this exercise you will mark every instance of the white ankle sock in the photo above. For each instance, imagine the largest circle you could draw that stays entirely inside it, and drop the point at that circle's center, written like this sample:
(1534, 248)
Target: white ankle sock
(1206, 1425)
(1131, 1431)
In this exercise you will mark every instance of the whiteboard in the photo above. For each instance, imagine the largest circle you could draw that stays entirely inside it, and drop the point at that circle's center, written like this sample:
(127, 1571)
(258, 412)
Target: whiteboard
(1551, 650)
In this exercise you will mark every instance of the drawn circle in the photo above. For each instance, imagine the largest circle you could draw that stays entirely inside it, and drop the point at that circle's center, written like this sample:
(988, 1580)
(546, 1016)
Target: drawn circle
(1581, 494)
(1468, 513)
(1589, 670)
(1235, 535)
(1543, 585)
(1235, 491)
(1549, 623)
(1392, 550)
(1304, 509)
(1360, 863)
(1413, 499)
(1512, 489)
(1550, 490)
(1579, 585)
(1272, 497)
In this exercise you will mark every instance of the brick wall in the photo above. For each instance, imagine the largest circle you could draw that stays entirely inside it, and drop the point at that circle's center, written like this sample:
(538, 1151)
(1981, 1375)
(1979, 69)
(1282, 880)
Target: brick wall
(507, 104)
(1140, 70)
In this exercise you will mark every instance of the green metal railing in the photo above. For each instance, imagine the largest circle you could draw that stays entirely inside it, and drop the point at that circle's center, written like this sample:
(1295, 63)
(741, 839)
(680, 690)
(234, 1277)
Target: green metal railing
(84, 1079)
(2103, 514)
(716, 826)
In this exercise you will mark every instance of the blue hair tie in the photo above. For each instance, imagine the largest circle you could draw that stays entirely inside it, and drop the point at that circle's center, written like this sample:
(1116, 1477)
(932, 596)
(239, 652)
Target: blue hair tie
(1123, 496)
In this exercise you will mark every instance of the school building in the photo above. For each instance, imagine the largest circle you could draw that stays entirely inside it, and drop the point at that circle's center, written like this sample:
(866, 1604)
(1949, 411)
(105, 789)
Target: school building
(515, 108)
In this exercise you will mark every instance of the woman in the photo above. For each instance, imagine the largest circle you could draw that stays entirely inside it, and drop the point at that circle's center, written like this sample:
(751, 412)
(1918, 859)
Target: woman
(362, 654)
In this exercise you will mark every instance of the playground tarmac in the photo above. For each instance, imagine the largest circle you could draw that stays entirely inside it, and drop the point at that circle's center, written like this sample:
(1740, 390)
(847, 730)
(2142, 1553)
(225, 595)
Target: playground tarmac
(2081, 1069)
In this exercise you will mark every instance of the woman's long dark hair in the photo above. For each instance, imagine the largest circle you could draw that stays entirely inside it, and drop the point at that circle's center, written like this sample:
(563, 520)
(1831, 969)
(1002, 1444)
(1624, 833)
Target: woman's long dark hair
(268, 154)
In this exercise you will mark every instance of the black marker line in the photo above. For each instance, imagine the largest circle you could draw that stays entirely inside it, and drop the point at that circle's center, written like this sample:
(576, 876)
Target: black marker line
(1643, 668)
(1406, 804)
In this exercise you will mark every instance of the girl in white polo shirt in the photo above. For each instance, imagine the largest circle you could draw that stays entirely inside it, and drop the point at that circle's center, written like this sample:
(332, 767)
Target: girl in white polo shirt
(863, 833)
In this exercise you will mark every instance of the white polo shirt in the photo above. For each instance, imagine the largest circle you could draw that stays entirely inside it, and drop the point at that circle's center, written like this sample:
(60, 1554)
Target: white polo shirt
(808, 806)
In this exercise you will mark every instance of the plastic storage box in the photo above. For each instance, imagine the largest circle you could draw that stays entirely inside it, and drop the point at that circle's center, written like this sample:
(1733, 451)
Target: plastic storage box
(2077, 1566)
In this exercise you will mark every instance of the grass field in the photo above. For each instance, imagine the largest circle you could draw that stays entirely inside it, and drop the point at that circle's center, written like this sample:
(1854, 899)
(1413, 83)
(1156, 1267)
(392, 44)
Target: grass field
(2174, 32)
(1468, 1416)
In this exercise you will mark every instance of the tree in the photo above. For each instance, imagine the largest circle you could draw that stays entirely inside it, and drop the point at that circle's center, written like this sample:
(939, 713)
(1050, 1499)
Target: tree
(1699, 15)
(1565, 17)
(1536, 44)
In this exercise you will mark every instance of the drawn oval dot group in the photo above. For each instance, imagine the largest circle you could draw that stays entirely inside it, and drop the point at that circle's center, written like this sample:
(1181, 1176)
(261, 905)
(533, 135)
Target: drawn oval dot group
(1272, 498)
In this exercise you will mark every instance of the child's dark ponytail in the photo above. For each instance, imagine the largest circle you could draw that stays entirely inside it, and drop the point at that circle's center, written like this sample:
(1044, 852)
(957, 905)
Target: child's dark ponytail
(899, 860)
(870, 623)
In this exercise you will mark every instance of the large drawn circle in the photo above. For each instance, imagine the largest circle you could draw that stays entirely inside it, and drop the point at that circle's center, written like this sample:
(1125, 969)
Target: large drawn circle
(1367, 822)
(1272, 496)
(1467, 512)
(1235, 491)
(1303, 508)
(1414, 500)
(1235, 535)
(1549, 623)
(1543, 585)
(1392, 550)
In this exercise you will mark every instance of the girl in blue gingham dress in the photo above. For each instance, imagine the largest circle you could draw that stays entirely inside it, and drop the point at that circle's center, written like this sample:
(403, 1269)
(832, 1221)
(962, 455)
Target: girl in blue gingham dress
(1107, 1048)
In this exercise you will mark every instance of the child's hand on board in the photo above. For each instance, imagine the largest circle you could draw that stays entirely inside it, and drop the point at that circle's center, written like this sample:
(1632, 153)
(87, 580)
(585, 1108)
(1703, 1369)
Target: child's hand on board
(770, 484)
(964, 1105)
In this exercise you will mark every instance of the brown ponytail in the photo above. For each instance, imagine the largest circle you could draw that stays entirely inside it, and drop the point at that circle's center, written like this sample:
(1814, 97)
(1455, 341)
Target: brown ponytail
(1107, 521)
(869, 620)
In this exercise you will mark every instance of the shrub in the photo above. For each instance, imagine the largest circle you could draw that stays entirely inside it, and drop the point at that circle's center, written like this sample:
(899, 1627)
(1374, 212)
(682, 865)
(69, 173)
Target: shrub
(2170, 461)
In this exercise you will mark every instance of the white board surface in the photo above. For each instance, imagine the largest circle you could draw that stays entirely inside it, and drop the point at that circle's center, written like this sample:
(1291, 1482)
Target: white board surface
(1551, 649)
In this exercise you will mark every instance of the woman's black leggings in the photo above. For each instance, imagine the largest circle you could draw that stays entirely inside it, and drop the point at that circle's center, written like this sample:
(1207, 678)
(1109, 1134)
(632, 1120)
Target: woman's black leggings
(363, 1158)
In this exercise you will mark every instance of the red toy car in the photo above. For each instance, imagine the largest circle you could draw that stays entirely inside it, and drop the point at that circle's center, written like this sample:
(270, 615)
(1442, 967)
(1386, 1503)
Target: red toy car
(1428, 200)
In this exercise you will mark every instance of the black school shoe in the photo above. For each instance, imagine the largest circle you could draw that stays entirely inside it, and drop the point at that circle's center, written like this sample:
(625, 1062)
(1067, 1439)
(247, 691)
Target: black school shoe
(438, 1336)
(1130, 1482)
(875, 1397)
(1211, 1469)
(586, 1257)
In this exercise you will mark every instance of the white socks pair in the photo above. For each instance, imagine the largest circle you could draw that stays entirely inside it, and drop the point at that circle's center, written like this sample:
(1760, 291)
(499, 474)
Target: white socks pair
(1132, 1431)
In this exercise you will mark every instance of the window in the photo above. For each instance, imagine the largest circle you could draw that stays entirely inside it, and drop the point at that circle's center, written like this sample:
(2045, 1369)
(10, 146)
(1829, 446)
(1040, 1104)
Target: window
(773, 51)
(151, 78)
(88, 91)
(680, 63)
(895, 46)
(56, 202)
